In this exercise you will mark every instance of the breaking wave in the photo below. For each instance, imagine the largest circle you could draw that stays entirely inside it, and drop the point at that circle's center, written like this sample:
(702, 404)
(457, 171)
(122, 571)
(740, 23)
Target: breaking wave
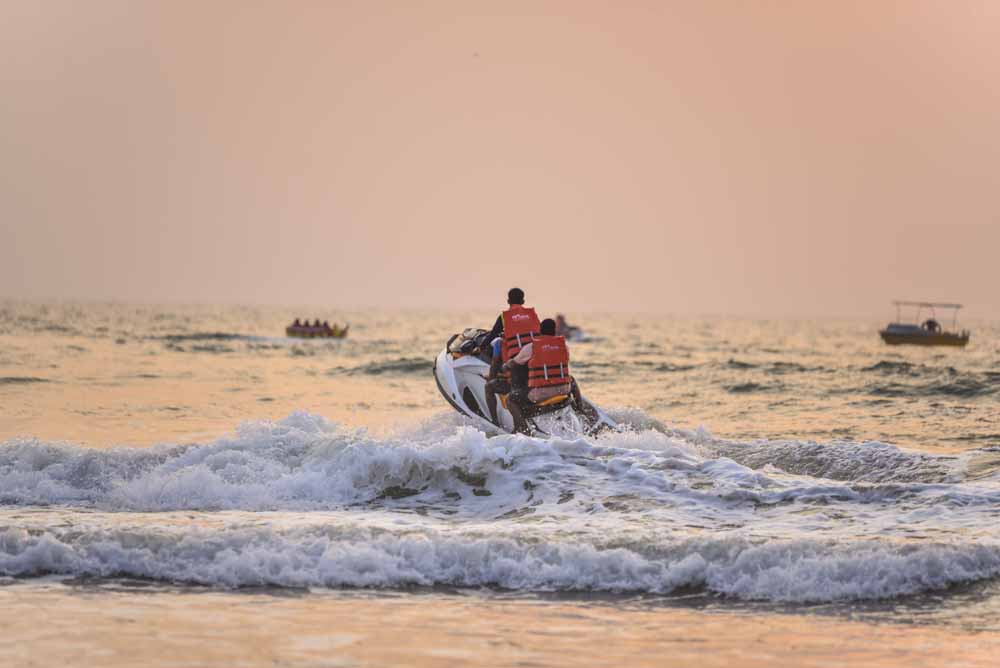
(305, 502)
(306, 462)
(849, 461)
(349, 555)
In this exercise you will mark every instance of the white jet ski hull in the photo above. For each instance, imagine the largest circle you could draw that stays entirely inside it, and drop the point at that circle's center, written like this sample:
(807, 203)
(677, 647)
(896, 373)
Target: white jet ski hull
(461, 380)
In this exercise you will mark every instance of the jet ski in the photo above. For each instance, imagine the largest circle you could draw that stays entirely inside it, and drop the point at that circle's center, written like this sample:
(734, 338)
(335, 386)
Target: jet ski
(570, 332)
(460, 371)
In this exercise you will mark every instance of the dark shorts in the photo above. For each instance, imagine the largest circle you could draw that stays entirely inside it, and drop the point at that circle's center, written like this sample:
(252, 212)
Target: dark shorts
(520, 395)
(498, 385)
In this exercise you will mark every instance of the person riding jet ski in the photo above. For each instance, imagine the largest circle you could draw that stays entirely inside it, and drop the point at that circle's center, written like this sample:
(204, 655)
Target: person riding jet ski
(463, 368)
(515, 328)
(515, 297)
(540, 371)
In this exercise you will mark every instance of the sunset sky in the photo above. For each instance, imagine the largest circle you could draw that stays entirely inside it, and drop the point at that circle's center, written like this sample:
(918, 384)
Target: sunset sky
(747, 158)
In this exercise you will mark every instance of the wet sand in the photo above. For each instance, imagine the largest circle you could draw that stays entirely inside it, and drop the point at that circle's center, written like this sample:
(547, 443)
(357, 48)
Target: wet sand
(55, 625)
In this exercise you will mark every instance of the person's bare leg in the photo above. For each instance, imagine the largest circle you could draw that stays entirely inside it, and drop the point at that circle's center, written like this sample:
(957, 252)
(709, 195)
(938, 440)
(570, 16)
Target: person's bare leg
(582, 405)
(493, 388)
(491, 402)
(514, 406)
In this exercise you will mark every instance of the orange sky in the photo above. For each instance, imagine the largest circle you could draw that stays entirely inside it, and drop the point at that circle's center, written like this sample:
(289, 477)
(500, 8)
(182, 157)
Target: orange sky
(763, 158)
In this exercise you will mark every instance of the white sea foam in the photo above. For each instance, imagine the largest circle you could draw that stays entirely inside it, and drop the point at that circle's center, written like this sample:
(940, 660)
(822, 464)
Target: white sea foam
(641, 511)
(337, 556)
(305, 461)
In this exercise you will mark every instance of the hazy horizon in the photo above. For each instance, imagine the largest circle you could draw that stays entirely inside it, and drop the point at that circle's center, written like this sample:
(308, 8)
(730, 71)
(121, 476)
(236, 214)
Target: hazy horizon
(753, 160)
(545, 307)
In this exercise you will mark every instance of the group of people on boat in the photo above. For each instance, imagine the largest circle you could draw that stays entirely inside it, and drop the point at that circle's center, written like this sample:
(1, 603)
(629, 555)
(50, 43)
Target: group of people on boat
(305, 323)
(529, 362)
(317, 328)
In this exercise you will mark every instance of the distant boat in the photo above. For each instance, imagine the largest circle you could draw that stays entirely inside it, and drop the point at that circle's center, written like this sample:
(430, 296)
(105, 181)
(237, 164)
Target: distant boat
(926, 333)
(324, 331)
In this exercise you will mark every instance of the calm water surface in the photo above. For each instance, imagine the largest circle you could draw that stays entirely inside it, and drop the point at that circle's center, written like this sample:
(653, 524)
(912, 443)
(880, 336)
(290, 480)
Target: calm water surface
(201, 490)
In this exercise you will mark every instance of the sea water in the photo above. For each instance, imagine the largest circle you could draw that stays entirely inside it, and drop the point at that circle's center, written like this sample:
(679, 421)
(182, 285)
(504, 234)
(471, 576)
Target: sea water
(185, 485)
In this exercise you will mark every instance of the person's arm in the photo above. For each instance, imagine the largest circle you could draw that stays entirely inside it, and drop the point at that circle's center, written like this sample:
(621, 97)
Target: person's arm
(523, 356)
(497, 329)
(495, 366)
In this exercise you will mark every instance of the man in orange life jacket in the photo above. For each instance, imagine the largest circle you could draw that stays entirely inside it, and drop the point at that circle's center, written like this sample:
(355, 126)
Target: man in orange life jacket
(540, 371)
(515, 297)
(515, 328)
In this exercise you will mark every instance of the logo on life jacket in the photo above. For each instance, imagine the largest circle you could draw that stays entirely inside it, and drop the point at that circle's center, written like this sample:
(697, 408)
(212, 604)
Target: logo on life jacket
(549, 364)
(520, 327)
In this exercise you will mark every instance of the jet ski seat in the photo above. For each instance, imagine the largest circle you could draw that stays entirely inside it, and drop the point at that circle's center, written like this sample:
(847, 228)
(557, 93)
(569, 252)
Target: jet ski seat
(559, 398)
(551, 401)
(542, 407)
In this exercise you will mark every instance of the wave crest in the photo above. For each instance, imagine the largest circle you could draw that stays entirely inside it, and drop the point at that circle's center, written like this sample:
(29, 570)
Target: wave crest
(352, 556)
(305, 462)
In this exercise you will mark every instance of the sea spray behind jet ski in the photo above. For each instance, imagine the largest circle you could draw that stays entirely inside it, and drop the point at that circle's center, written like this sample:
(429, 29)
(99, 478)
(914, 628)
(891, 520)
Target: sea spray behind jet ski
(460, 371)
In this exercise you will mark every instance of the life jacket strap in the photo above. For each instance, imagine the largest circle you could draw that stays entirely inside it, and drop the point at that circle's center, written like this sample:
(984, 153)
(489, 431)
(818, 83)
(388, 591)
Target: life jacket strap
(543, 371)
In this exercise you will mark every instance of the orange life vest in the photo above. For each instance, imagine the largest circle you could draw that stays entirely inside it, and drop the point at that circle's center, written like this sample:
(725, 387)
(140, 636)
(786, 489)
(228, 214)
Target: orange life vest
(549, 364)
(520, 327)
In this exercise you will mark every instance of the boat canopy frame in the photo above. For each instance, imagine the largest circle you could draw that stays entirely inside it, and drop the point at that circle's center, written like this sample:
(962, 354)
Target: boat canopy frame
(899, 303)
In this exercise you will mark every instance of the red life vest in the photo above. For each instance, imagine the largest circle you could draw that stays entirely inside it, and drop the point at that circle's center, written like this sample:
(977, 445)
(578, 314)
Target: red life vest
(520, 327)
(549, 364)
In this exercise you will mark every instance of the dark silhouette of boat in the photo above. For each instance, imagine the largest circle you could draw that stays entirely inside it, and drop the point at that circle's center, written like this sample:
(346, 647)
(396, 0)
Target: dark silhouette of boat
(926, 333)
(325, 331)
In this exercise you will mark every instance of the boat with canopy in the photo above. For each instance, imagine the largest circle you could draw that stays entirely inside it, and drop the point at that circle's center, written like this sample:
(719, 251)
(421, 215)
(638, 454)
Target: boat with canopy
(927, 332)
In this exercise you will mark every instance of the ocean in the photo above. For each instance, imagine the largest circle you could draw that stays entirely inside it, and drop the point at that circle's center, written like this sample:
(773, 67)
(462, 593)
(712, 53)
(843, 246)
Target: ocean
(184, 485)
